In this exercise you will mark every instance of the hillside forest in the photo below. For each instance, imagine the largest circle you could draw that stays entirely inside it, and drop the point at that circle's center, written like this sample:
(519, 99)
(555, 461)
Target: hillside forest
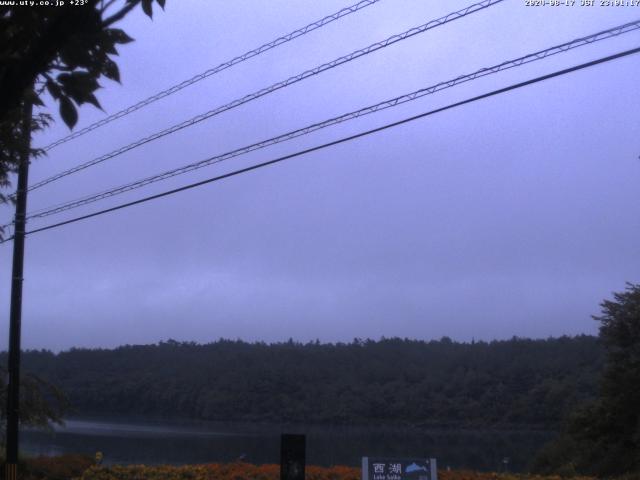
(502, 384)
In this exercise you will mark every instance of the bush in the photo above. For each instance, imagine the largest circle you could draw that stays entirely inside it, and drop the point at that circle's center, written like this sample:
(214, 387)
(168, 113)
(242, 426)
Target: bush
(63, 467)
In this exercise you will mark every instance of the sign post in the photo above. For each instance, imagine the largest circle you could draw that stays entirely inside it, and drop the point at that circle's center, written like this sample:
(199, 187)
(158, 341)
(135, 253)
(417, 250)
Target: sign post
(376, 468)
(292, 457)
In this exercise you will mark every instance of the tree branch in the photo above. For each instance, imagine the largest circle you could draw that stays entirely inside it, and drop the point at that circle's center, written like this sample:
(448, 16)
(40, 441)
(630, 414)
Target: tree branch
(104, 7)
(121, 14)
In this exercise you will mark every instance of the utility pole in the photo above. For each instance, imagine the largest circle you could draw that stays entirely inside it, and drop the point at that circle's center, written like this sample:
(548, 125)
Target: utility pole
(15, 318)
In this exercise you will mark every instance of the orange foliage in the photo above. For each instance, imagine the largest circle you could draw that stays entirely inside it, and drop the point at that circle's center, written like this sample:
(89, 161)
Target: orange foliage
(63, 467)
(246, 471)
(228, 471)
(79, 467)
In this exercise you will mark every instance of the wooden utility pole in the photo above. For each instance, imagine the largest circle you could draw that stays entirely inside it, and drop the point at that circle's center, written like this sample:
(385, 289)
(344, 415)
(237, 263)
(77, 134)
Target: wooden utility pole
(15, 319)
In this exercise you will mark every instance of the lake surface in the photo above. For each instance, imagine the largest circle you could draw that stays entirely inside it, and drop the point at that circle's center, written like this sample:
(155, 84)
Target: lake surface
(162, 442)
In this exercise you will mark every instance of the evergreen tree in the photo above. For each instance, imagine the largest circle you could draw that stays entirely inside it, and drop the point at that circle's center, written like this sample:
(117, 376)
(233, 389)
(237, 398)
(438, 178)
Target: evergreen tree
(603, 438)
(609, 431)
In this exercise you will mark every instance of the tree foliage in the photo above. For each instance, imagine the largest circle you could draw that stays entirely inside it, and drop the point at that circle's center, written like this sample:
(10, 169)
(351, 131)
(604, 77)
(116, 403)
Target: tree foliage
(394, 382)
(11, 147)
(63, 51)
(41, 403)
(603, 438)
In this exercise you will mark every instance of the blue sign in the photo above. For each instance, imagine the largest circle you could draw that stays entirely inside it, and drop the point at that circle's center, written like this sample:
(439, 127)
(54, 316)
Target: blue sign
(375, 468)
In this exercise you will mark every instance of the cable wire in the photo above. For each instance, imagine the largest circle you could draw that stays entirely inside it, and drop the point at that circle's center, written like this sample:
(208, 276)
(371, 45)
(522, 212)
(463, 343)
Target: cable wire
(532, 57)
(212, 71)
(342, 140)
(276, 86)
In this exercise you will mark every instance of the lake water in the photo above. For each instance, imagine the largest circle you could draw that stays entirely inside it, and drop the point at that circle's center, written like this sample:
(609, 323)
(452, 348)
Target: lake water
(164, 442)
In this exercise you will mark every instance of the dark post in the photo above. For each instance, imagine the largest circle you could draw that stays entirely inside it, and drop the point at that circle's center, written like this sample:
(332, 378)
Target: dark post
(292, 457)
(15, 319)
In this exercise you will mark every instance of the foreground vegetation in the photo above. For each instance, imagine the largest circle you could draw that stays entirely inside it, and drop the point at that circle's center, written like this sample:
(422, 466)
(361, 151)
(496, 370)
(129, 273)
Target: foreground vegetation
(63, 467)
(81, 468)
(267, 472)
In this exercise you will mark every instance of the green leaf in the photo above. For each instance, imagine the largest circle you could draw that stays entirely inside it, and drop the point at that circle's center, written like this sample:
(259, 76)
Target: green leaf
(80, 78)
(146, 7)
(75, 54)
(34, 98)
(80, 86)
(68, 112)
(108, 47)
(54, 89)
(91, 98)
(110, 70)
(118, 36)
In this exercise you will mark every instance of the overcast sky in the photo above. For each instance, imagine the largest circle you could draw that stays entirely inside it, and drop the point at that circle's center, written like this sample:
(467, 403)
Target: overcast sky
(515, 215)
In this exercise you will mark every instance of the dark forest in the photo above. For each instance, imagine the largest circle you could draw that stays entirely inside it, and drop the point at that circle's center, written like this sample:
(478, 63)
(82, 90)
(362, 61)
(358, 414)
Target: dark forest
(501, 384)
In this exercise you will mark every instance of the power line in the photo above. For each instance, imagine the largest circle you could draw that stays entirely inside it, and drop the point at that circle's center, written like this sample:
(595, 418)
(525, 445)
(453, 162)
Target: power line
(212, 71)
(276, 86)
(532, 57)
(344, 139)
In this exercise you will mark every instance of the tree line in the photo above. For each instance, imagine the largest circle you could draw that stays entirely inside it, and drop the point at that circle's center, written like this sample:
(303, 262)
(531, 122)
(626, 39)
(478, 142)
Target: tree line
(517, 382)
